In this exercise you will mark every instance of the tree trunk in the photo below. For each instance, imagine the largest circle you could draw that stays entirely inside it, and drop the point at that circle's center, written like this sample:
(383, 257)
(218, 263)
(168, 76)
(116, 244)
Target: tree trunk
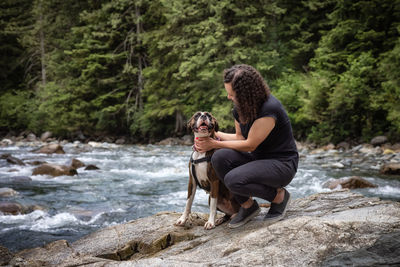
(179, 122)
(139, 101)
(42, 48)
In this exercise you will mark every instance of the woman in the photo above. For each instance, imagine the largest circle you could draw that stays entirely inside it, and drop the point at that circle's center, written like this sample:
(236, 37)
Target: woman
(261, 157)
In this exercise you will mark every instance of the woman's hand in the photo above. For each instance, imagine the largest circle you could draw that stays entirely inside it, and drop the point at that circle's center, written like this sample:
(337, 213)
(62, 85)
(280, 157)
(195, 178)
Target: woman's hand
(204, 144)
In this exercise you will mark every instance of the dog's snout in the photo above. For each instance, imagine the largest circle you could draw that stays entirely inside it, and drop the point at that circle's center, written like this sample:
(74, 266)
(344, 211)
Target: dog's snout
(203, 117)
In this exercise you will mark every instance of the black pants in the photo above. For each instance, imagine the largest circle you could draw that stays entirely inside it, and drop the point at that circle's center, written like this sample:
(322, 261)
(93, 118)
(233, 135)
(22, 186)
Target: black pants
(246, 176)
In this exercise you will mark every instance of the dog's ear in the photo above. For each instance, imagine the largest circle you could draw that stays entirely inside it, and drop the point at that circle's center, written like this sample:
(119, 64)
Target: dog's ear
(191, 122)
(215, 122)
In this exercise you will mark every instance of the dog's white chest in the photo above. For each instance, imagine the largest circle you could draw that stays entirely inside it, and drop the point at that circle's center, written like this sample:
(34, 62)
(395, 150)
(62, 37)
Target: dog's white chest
(200, 168)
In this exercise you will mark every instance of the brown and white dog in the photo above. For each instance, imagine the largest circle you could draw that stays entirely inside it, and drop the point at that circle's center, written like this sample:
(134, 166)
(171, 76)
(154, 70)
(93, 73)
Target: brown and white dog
(201, 174)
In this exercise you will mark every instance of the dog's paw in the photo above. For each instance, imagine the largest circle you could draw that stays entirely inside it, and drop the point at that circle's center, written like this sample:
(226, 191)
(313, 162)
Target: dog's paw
(209, 225)
(181, 221)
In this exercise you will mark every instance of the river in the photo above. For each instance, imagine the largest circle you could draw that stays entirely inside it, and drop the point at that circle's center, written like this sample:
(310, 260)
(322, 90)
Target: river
(136, 181)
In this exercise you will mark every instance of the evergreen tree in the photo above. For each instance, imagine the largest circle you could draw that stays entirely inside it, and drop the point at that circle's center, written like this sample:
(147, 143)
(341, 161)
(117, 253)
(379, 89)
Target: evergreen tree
(198, 40)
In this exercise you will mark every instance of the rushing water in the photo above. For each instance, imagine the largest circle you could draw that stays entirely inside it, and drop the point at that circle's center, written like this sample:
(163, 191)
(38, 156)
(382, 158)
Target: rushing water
(133, 182)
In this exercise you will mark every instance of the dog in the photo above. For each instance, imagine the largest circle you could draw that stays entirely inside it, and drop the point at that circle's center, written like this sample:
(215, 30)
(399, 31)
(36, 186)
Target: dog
(201, 174)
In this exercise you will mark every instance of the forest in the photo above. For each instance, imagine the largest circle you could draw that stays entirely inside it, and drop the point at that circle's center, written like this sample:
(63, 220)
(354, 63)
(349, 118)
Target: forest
(142, 68)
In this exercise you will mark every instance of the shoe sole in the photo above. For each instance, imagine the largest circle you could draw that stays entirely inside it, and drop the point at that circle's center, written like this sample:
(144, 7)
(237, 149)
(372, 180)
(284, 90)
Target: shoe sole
(251, 216)
(279, 218)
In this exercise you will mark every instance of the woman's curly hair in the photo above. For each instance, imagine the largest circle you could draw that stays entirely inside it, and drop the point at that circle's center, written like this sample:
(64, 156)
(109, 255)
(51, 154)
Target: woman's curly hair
(250, 88)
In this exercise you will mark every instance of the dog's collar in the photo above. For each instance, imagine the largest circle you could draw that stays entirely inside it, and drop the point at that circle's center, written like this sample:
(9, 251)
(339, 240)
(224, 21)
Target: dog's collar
(197, 161)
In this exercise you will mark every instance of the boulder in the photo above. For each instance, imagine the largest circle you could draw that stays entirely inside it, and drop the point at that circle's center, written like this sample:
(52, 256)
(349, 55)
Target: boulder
(186, 140)
(7, 192)
(76, 164)
(353, 182)
(388, 151)
(390, 168)
(11, 208)
(36, 162)
(31, 137)
(51, 149)
(5, 256)
(328, 147)
(379, 140)
(14, 160)
(91, 167)
(6, 142)
(45, 136)
(170, 141)
(316, 229)
(120, 141)
(54, 170)
(343, 145)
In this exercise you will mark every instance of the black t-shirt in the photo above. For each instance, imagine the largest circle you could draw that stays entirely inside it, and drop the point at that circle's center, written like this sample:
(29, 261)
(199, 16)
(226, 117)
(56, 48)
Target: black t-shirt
(280, 143)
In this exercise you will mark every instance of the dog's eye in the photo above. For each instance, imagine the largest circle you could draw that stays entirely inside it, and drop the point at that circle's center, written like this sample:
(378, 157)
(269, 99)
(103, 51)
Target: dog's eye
(197, 115)
(208, 116)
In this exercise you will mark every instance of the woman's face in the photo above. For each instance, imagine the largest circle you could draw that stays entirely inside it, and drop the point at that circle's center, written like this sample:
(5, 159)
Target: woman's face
(231, 94)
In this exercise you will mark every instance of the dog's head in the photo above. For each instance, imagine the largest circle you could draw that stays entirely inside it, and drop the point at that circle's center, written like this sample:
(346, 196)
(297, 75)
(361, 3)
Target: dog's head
(203, 124)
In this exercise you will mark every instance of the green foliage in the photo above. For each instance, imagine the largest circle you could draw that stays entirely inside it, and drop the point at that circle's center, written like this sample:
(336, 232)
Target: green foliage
(143, 68)
(15, 110)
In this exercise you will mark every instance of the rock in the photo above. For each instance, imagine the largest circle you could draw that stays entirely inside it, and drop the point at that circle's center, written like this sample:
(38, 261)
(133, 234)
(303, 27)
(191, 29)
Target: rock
(108, 139)
(51, 149)
(328, 147)
(390, 168)
(18, 179)
(11, 208)
(384, 247)
(370, 150)
(379, 140)
(54, 170)
(343, 145)
(317, 151)
(14, 160)
(317, 229)
(7, 192)
(94, 144)
(337, 165)
(353, 182)
(388, 151)
(45, 136)
(76, 164)
(6, 142)
(36, 162)
(31, 137)
(91, 167)
(5, 256)
(32, 208)
(80, 136)
(396, 147)
(170, 141)
(187, 140)
(120, 141)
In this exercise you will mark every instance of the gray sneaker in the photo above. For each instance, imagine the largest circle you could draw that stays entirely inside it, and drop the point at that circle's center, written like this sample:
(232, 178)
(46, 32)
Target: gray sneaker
(245, 215)
(277, 211)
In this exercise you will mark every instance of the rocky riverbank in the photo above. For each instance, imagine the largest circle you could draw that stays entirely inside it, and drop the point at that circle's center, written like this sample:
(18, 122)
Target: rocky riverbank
(339, 228)
(378, 155)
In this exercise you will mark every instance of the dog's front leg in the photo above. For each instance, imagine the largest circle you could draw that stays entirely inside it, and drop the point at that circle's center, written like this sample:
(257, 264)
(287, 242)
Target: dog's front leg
(210, 224)
(191, 192)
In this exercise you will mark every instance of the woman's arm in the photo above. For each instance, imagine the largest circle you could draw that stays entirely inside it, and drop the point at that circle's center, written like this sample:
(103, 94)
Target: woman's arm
(258, 132)
(231, 136)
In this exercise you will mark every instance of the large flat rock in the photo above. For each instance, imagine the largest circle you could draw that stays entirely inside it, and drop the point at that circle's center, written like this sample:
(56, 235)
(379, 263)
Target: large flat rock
(322, 229)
